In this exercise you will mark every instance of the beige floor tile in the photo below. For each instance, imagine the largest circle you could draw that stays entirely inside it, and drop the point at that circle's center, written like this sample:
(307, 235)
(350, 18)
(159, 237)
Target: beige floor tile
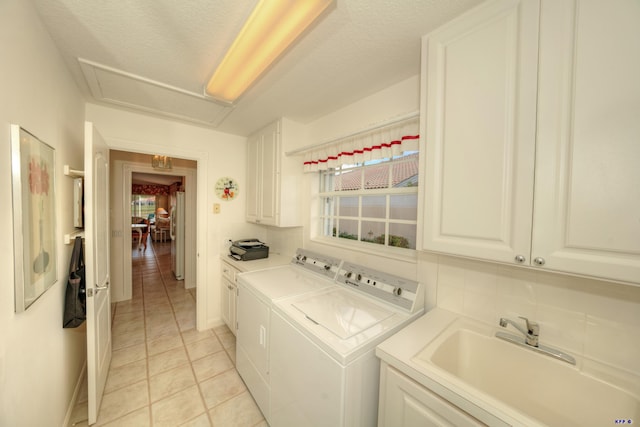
(186, 324)
(128, 327)
(211, 365)
(199, 349)
(171, 382)
(139, 418)
(241, 411)
(201, 421)
(164, 343)
(160, 330)
(127, 340)
(125, 375)
(127, 355)
(174, 409)
(227, 339)
(232, 354)
(167, 360)
(192, 335)
(123, 401)
(222, 388)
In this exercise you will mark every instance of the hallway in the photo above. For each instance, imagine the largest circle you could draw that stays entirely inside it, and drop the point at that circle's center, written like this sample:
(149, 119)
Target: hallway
(163, 371)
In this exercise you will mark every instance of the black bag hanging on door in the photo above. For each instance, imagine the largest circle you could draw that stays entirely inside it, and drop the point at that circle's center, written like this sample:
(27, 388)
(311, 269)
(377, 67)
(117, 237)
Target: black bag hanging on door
(75, 299)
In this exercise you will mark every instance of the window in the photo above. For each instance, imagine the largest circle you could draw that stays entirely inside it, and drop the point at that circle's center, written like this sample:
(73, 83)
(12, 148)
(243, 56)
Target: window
(374, 202)
(142, 205)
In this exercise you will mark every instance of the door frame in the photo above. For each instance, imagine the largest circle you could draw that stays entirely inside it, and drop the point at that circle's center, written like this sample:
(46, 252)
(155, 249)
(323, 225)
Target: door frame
(128, 168)
(202, 164)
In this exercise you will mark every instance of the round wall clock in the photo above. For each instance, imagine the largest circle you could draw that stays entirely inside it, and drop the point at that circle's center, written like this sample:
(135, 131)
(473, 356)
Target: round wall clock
(226, 188)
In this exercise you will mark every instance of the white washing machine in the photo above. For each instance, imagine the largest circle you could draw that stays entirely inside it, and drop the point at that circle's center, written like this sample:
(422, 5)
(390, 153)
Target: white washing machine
(324, 371)
(257, 290)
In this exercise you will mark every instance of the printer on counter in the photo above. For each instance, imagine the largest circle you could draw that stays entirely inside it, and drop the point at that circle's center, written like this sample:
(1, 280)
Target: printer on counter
(248, 249)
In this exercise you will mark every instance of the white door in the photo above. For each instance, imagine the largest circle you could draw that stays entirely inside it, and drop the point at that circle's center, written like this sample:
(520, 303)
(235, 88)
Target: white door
(96, 156)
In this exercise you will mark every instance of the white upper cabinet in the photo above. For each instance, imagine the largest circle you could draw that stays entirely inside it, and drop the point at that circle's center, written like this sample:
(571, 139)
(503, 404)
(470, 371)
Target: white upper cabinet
(533, 151)
(273, 179)
(587, 193)
(478, 118)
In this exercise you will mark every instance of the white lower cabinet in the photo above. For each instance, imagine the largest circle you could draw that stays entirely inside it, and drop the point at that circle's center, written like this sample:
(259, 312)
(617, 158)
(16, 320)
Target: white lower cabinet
(530, 115)
(405, 403)
(228, 296)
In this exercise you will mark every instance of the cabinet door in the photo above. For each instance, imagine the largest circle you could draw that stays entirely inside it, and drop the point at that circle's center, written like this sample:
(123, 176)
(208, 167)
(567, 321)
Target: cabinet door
(225, 303)
(263, 173)
(478, 107)
(254, 154)
(405, 403)
(270, 175)
(587, 196)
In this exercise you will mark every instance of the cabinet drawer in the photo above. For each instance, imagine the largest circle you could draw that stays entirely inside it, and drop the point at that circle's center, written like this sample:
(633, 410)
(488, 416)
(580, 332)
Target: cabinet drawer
(229, 272)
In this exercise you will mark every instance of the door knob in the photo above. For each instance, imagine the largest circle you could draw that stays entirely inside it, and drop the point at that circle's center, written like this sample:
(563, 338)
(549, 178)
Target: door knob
(538, 261)
(520, 259)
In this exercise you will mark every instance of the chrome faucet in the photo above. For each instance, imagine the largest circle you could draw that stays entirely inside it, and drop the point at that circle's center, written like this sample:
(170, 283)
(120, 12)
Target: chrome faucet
(530, 334)
(530, 341)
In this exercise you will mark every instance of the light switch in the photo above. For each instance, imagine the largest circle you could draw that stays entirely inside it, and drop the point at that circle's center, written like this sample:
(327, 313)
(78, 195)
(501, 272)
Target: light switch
(216, 208)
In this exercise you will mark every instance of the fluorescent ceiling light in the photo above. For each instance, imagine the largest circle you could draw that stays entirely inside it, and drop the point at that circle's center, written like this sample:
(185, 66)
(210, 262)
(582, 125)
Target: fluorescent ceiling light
(272, 27)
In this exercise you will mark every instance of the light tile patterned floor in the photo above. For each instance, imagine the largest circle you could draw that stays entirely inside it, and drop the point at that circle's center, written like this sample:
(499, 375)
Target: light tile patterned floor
(163, 371)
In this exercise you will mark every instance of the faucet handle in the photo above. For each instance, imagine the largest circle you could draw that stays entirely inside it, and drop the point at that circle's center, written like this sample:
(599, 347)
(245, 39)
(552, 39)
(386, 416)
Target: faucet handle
(532, 327)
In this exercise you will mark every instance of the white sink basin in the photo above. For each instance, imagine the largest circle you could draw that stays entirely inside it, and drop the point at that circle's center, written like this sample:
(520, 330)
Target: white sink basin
(551, 391)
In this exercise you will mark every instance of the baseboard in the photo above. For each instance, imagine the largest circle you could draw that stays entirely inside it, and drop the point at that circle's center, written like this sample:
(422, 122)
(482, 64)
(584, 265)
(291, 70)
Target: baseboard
(74, 397)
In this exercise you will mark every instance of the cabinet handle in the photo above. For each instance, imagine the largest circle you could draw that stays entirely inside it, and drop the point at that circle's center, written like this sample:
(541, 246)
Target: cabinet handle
(520, 259)
(539, 261)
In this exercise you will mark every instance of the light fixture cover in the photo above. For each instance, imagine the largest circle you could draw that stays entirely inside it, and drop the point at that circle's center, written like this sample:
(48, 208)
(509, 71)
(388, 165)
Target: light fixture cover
(272, 27)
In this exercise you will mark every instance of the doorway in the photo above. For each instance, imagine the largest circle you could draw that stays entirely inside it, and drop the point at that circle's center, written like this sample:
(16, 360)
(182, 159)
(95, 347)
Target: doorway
(124, 167)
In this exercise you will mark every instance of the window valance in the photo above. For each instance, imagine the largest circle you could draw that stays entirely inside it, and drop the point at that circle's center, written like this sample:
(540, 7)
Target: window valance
(380, 143)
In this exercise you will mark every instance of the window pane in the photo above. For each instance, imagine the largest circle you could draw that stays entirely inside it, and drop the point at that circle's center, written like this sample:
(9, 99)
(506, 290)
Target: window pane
(404, 206)
(402, 235)
(377, 176)
(373, 232)
(348, 229)
(142, 205)
(374, 206)
(405, 172)
(348, 206)
(350, 179)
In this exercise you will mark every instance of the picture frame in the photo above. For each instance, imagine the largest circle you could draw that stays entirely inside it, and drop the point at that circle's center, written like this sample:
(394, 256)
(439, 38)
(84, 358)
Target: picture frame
(34, 217)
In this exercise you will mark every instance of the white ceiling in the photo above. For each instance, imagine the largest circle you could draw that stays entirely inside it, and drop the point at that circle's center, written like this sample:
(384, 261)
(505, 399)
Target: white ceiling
(157, 55)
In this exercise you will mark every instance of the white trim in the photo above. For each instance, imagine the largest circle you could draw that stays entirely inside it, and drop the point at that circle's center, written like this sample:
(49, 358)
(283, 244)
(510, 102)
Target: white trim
(371, 128)
(76, 393)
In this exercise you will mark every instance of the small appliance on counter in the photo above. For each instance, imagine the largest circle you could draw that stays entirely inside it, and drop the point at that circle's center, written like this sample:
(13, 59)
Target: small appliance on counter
(248, 249)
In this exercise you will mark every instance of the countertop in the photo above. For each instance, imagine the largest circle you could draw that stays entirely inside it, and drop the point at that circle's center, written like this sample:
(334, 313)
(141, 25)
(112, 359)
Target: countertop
(274, 260)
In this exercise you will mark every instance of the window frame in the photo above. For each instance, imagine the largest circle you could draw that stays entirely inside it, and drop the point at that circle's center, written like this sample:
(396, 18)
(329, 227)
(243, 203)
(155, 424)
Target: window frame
(328, 219)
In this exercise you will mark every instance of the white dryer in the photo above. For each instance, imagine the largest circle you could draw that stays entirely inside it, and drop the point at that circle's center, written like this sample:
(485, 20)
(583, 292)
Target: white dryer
(308, 271)
(324, 371)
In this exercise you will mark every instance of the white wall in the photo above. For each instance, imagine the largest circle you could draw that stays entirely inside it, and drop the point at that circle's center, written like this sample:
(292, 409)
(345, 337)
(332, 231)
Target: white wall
(218, 155)
(597, 321)
(40, 362)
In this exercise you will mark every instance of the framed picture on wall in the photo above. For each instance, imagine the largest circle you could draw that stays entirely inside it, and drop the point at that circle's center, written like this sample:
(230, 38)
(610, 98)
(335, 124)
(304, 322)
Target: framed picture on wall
(34, 217)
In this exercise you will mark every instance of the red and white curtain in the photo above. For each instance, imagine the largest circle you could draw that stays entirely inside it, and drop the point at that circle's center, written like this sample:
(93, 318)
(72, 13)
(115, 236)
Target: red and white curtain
(388, 141)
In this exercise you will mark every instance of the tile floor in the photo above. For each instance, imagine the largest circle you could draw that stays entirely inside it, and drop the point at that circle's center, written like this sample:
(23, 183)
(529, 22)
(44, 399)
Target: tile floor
(163, 371)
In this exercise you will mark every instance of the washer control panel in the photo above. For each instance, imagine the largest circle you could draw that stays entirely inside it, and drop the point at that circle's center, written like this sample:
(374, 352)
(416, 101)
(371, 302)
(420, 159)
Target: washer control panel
(401, 292)
(321, 264)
